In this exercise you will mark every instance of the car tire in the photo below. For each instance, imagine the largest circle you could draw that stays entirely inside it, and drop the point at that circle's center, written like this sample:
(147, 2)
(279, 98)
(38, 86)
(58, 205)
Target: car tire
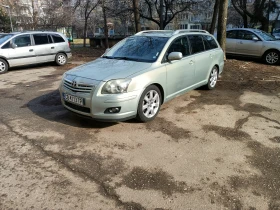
(61, 59)
(213, 78)
(149, 104)
(3, 66)
(271, 57)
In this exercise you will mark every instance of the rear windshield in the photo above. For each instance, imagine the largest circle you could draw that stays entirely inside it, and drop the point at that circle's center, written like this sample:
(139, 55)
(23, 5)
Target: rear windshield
(4, 38)
(138, 48)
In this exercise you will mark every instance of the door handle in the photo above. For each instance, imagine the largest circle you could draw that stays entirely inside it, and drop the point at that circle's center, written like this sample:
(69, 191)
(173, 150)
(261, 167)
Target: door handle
(241, 42)
(31, 50)
(191, 62)
(52, 47)
(211, 56)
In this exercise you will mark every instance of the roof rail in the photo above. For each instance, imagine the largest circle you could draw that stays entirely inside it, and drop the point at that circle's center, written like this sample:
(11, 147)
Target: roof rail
(189, 30)
(153, 31)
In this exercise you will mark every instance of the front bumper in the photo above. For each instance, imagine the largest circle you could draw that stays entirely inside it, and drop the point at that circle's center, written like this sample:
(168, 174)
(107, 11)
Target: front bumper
(96, 104)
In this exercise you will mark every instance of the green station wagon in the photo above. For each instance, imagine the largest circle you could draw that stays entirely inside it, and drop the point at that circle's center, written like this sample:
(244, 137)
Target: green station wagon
(140, 73)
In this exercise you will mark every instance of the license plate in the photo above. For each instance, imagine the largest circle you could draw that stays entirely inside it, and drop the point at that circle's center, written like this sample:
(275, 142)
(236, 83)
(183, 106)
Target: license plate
(73, 99)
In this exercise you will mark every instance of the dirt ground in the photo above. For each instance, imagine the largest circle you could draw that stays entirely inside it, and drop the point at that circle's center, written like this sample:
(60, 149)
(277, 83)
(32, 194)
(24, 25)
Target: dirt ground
(216, 149)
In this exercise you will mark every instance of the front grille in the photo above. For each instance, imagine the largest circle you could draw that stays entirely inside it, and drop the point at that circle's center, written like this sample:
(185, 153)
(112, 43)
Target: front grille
(82, 88)
(78, 108)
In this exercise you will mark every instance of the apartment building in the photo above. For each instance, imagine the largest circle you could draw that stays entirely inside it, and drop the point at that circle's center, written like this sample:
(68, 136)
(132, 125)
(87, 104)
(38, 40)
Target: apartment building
(199, 16)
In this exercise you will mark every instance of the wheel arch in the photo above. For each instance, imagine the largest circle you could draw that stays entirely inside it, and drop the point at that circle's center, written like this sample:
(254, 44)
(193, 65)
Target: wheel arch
(161, 90)
(5, 59)
(272, 49)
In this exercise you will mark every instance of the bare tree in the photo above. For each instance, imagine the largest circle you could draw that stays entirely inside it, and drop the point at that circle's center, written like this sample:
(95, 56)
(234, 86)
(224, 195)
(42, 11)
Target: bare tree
(136, 15)
(86, 7)
(105, 24)
(259, 12)
(162, 12)
(241, 7)
(214, 17)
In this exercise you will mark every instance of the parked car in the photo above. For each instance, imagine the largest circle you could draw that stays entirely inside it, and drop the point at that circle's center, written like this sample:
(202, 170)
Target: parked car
(23, 48)
(253, 43)
(140, 73)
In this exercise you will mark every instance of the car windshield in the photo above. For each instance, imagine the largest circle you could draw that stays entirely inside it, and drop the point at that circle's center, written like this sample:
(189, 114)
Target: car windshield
(265, 36)
(138, 48)
(4, 38)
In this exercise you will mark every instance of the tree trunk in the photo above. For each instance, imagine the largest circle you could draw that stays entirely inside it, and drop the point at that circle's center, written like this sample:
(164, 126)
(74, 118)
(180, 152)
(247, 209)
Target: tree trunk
(214, 18)
(85, 32)
(161, 15)
(105, 24)
(222, 23)
(136, 15)
(245, 21)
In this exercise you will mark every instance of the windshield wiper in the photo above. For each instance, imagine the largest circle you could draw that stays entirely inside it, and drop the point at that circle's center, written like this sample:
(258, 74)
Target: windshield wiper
(127, 58)
(108, 57)
(122, 58)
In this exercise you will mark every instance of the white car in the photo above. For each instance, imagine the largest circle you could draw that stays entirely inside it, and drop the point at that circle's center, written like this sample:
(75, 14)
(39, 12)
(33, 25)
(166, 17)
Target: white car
(253, 43)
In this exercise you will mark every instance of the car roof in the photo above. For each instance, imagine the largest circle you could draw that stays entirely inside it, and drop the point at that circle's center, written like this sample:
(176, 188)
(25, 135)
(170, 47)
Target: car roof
(34, 32)
(245, 29)
(170, 33)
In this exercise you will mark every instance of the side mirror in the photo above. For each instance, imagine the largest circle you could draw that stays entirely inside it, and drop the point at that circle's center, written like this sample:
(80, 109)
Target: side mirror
(175, 56)
(14, 45)
(255, 39)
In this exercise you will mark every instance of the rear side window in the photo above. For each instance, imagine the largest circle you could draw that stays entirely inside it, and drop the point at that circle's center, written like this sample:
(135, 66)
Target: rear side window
(22, 41)
(57, 38)
(196, 42)
(41, 39)
(232, 34)
(209, 43)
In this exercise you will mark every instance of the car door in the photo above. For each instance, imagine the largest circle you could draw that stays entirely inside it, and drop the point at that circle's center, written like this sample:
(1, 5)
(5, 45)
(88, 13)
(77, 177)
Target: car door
(44, 47)
(179, 73)
(21, 51)
(231, 41)
(203, 58)
(245, 44)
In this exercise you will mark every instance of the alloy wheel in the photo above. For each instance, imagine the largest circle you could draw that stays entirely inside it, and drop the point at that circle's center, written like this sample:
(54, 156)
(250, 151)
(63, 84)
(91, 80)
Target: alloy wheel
(2, 66)
(272, 58)
(213, 77)
(151, 103)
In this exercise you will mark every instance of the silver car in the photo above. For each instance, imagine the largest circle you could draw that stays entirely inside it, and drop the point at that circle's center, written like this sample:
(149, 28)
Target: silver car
(253, 43)
(23, 48)
(140, 73)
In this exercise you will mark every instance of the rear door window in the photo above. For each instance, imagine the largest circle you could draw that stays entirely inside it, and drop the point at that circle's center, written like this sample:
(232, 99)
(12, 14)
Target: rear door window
(197, 44)
(40, 39)
(57, 38)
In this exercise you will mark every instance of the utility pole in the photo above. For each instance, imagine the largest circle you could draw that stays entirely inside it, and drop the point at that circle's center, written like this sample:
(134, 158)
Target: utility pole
(136, 15)
(161, 15)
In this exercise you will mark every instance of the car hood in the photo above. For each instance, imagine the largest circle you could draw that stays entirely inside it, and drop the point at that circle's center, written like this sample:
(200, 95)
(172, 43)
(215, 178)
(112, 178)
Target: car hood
(103, 69)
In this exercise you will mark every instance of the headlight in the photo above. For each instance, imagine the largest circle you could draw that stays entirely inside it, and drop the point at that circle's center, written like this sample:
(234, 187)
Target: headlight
(116, 86)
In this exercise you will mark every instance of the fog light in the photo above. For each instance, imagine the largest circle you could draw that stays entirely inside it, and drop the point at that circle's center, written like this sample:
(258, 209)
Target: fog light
(112, 110)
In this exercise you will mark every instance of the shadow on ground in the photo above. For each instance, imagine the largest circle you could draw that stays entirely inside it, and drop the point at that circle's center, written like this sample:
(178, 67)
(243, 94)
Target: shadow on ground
(49, 107)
